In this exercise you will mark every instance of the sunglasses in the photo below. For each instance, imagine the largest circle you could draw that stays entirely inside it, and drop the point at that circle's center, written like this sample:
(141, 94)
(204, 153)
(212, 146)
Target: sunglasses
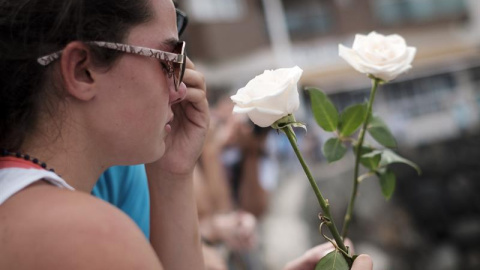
(182, 21)
(173, 62)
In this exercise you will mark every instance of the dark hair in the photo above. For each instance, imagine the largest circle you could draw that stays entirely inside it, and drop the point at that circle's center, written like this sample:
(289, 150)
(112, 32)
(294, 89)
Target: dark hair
(33, 28)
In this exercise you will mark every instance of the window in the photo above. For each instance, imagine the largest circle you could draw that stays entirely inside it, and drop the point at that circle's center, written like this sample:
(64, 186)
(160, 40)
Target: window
(395, 12)
(308, 18)
(420, 96)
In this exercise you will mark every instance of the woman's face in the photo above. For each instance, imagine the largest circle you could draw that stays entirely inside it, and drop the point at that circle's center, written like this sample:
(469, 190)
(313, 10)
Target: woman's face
(137, 95)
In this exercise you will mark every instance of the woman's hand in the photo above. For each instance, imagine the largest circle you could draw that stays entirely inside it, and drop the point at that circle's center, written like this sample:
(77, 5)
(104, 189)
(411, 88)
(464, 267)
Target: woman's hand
(213, 259)
(363, 262)
(311, 257)
(237, 230)
(189, 126)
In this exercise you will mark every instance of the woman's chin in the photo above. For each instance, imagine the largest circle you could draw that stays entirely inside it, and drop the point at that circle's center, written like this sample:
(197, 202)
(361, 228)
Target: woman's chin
(151, 155)
(157, 154)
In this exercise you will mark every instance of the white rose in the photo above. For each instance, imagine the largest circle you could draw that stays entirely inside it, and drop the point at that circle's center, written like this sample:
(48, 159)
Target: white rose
(384, 57)
(269, 96)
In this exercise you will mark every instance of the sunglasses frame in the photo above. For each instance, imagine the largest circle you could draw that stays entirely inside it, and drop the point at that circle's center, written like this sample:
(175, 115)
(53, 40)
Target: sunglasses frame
(169, 58)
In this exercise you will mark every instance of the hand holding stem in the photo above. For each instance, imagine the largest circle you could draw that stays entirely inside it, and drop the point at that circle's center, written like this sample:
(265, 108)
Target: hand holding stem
(288, 130)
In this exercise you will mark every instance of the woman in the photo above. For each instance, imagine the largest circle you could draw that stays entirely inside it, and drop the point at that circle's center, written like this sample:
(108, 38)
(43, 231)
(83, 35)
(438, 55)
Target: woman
(92, 108)
(85, 85)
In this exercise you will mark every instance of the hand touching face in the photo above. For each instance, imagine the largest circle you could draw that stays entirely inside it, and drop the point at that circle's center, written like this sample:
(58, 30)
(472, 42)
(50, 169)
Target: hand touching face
(189, 125)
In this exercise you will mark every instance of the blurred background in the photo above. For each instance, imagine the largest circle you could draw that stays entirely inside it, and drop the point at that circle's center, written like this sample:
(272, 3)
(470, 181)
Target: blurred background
(432, 220)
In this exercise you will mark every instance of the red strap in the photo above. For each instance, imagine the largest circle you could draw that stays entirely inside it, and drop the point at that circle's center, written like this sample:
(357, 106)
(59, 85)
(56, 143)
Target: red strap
(14, 162)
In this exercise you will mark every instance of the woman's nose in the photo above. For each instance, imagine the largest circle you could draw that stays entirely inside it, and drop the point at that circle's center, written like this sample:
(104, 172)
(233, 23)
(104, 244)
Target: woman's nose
(179, 95)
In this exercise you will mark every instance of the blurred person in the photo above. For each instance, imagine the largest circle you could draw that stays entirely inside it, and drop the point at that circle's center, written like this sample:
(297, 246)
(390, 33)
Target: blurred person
(227, 230)
(251, 174)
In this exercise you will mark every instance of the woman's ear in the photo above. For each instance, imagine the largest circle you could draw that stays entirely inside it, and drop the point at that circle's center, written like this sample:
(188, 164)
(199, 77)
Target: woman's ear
(76, 69)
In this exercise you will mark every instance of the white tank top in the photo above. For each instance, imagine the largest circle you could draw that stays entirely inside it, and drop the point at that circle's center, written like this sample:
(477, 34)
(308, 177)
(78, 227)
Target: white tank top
(16, 174)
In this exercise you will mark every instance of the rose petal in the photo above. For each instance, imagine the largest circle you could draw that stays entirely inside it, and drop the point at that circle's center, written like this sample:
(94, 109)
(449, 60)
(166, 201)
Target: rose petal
(384, 57)
(358, 42)
(278, 99)
(269, 96)
(351, 57)
(265, 117)
(240, 98)
(294, 101)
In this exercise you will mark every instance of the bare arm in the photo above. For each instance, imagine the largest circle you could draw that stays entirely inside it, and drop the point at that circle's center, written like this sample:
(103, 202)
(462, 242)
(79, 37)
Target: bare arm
(214, 176)
(81, 232)
(173, 221)
(252, 196)
(202, 195)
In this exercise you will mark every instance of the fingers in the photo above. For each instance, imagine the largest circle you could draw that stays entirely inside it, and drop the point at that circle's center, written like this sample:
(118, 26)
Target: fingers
(363, 262)
(316, 253)
(244, 230)
(313, 255)
(195, 82)
(212, 259)
(194, 104)
(237, 230)
(194, 79)
(195, 95)
(189, 64)
(191, 79)
(246, 236)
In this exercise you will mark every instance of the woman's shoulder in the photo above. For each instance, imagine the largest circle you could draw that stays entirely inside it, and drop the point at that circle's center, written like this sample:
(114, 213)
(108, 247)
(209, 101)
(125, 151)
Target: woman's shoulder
(44, 227)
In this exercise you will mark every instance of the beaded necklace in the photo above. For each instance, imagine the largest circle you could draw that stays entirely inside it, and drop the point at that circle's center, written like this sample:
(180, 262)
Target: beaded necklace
(6, 153)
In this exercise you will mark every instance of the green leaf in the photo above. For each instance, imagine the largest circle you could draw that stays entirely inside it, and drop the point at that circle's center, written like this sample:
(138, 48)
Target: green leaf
(332, 261)
(381, 133)
(334, 150)
(299, 125)
(323, 110)
(352, 118)
(387, 183)
(368, 160)
(389, 157)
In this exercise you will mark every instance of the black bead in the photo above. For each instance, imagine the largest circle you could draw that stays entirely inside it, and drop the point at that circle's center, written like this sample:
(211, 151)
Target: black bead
(5, 153)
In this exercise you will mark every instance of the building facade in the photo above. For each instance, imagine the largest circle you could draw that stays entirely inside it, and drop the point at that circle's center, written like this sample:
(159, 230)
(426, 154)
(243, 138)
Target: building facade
(235, 40)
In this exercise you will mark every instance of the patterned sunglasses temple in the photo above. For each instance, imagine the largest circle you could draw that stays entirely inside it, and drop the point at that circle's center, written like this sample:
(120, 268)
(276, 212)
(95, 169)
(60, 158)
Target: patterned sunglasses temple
(167, 57)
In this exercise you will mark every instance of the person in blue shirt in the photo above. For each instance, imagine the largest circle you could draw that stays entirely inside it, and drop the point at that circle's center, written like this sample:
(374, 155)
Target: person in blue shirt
(126, 187)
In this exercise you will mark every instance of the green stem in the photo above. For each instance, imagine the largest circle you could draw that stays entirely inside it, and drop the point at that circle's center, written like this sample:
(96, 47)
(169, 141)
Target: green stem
(348, 215)
(323, 203)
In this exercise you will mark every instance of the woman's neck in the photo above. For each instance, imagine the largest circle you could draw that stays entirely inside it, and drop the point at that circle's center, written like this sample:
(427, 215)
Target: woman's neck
(70, 156)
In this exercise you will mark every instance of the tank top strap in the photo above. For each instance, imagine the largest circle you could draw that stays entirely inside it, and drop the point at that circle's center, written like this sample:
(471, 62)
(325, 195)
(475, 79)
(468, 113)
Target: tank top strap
(16, 174)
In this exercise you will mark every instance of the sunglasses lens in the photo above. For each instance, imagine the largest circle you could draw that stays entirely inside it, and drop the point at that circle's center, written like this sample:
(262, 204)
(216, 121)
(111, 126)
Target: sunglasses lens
(179, 68)
(182, 21)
